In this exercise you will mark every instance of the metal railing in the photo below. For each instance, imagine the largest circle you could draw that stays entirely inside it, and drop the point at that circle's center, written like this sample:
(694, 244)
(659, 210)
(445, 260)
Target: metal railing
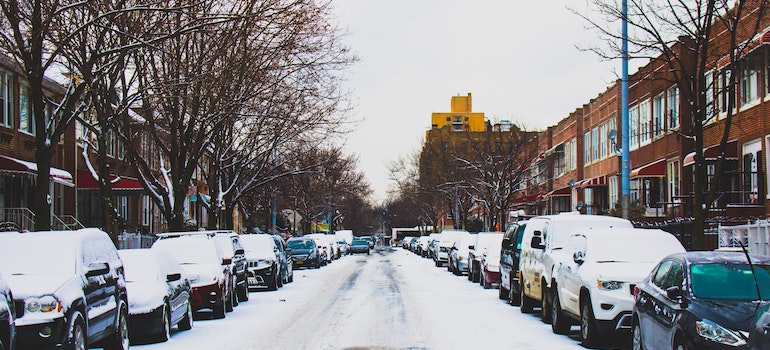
(134, 240)
(22, 217)
(754, 236)
(65, 223)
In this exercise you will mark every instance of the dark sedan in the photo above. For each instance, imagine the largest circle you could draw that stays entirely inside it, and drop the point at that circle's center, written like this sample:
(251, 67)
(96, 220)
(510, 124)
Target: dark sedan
(700, 300)
(304, 252)
(359, 246)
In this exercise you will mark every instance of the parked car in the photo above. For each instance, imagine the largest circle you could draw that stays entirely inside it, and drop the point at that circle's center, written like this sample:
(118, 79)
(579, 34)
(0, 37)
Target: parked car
(510, 255)
(368, 240)
(284, 258)
(230, 244)
(359, 246)
(207, 268)
(324, 247)
(304, 252)
(490, 264)
(759, 335)
(445, 242)
(483, 240)
(57, 297)
(458, 254)
(700, 300)
(158, 294)
(262, 260)
(543, 241)
(7, 317)
(344, 247)
(593, 285)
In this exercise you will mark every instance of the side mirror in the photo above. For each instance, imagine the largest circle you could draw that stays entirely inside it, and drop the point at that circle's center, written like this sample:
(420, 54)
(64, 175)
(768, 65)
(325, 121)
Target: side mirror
(173, 277)
(97, 269)
(578, 257)
(287, 251)
(239, 251)
(537, 242)
(227, 261)
(471, 247)
(674, 292)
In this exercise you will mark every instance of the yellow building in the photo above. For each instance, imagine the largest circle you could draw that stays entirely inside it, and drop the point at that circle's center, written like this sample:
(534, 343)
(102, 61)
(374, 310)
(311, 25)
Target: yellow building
(461, 116)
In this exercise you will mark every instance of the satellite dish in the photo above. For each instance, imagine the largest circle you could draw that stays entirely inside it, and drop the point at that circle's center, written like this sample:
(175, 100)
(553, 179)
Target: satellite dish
(612, 134)
(571, 182)
(619, 151)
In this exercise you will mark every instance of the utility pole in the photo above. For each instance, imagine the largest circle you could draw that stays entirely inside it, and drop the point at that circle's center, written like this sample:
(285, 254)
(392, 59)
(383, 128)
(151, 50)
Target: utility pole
(625, 181)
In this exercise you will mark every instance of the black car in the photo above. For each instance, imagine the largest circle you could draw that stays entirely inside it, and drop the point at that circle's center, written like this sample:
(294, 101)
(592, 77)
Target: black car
(7, 317)
(74, 297)
(759, 335)
(700, 300)
(510, 254)
(359, 246)
(304, 252)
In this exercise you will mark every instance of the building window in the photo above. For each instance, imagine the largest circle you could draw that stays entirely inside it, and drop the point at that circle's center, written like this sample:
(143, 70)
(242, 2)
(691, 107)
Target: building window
(587, 148)
(611, 142)
(673, 108)
(26, 123)
(613, 187)
(644, 122)
(712, 109)
(672, 177)
(633, 127)
(753, 188)
(6, 100)
(603, 141)
(750, 80)
(658, 108)
(724, 93)
(570, 154)
(146, 210)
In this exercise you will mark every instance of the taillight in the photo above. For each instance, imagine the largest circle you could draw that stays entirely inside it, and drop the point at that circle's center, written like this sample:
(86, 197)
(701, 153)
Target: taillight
(636, 290)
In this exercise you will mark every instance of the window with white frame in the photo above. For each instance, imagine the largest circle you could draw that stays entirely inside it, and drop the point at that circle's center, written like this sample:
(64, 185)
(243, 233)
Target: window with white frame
(146, 210)
(603, 141)
(750, 79)
(672, 102)
(633, 127)
(6, 100)
(587, 148)
(612, 143)
(725, 95)
(658, 109)
(712, 110)
(122, 206)
(110, 151)
(672, 178)
(570, 155)
(644, 122)
(613, 189)
(595, 143)
(26, 122)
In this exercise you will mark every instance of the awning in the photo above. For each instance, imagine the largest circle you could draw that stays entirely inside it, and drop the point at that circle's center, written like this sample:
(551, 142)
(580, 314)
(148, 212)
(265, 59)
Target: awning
(561, 192)
(13, 165)
(745, 49)
(554, 149)
(125, 183)
(711, 153)
(527, 199)
(592, 182)
(654, 169)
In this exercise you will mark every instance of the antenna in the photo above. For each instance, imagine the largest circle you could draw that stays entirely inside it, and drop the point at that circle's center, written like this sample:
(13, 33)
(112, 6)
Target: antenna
(751, 266)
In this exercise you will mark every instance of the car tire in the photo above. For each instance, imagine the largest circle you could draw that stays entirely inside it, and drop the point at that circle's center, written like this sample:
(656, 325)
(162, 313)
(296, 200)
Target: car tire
(187, 321)
(636, 337)
(560, 324)
(229, 306)
(545, 306)
(514, 296)
(273, 284)
(280, 280)
(588, 331)
(119, 340)
(470, 273)
(502, 293)
(291, 277)
(220, 310)
(234, 295)
(681, 344)
(77, 340)
(243, 293)
(165, 333)
(527, 303)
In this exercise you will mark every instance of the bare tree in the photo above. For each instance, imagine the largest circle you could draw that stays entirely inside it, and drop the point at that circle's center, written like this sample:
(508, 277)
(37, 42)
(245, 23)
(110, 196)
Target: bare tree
(688, 39)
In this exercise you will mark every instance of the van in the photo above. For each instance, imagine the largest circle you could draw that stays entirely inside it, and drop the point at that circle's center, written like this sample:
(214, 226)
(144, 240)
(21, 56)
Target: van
(543, 240)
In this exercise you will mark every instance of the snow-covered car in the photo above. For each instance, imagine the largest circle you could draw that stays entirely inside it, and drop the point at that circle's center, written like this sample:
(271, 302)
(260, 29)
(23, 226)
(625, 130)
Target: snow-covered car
(458, 254)
(158, 294)
(359, 246)
(304, 252)
(230, 244)
(207, 268)
(324, 247)
(263, 268)
(594, 286)
(482, 241)
(73, 294)
(284, 259)
(510, 254)
(445, 242)
(7, 316)
(490, 264)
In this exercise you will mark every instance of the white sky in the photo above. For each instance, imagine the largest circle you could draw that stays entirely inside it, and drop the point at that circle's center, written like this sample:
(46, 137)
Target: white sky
(518, 59)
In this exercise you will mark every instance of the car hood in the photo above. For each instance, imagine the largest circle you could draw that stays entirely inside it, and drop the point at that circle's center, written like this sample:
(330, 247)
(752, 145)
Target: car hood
(145, 296)
(203, 274)
(300, 252)
(733, 314)
(254, 256)
(24, 286)
(631, 272)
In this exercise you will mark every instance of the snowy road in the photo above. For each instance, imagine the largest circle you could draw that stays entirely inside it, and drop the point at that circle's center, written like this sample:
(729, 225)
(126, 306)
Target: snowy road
(387, 300)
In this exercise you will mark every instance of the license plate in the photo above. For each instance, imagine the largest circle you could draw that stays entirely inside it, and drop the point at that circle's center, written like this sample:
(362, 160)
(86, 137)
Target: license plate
(253, 281)
(300, 262)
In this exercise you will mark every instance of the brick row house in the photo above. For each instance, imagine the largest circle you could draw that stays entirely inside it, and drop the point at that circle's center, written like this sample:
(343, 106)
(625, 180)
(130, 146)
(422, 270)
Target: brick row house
(582, 151)
(74, 192)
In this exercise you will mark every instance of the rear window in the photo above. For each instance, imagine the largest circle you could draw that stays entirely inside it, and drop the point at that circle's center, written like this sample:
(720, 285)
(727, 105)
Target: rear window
(729, 281)
(301, 244)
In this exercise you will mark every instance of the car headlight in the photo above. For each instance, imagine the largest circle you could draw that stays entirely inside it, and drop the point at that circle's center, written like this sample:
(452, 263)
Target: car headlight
(608, 285)
(714, 332)
(47, 303)
(312, 255)
(263, 263)
(461, 258)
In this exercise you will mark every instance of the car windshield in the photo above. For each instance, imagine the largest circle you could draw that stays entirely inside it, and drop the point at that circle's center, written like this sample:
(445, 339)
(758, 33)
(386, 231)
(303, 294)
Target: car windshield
(53, 256)
(645, 249)
(139, 267)
(360, 242)
(189, 250)
(300, 244)
(258, 244)
(729, 281)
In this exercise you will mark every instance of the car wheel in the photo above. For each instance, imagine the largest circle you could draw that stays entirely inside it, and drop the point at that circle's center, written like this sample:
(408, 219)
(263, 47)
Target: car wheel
(559, 322)
(470, 273)
(165, 333)
(527, 303)
(545, 306)
(243, 293)
(187, 322)
(273, 284)
(588, 331)
(77, 340)
(291, 277)
(679, 344)
(514, 296)
(486, 284)
(229, 302)
(220, 310)
(280, 280)
(636, 337)
(119, 340)
(502, 292)
(234, 295)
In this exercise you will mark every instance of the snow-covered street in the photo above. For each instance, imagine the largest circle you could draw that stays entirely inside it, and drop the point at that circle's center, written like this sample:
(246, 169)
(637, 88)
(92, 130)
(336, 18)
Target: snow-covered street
(391, 299)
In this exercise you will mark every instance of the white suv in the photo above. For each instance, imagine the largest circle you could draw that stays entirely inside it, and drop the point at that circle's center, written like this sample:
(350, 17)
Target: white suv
(595, 284)
(541, 245)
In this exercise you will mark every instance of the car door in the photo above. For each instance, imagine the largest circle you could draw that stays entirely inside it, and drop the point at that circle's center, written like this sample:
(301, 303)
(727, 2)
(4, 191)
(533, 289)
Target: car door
(100, 288)
(177, 294)
(506, 256)
(569, 274)
(665, 310)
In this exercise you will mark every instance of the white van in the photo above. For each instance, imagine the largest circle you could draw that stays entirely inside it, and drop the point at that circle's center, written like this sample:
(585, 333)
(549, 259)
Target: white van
(543, 240)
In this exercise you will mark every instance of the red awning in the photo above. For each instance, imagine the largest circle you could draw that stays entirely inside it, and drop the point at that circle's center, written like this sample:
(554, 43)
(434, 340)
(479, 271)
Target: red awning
(561, 192)
(125, 183)
(711, 153)
(654, 169)
(10, 164)
(592, 182)
(527, 199)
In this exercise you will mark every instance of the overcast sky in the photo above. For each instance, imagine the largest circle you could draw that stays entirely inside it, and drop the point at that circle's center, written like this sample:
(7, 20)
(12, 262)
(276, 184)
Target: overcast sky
(517, 58)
